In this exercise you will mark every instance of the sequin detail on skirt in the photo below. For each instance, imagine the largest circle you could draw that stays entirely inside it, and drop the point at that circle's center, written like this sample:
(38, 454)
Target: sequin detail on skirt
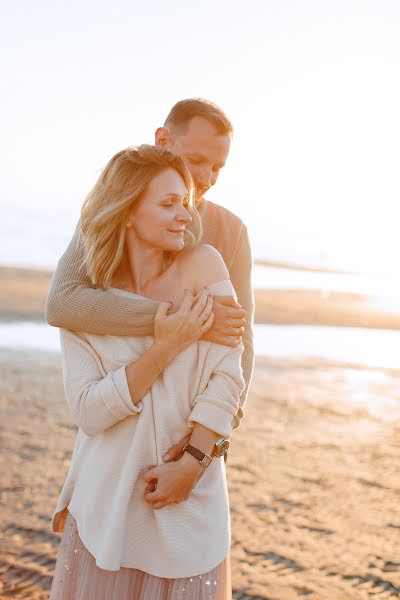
(77, 577)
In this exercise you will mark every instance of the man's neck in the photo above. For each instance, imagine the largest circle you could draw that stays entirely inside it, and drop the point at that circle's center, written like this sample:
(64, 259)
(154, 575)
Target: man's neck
(201, 206)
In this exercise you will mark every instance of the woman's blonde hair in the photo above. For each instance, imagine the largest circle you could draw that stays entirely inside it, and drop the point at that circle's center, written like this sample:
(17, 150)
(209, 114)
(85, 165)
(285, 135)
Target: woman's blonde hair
(105, 211)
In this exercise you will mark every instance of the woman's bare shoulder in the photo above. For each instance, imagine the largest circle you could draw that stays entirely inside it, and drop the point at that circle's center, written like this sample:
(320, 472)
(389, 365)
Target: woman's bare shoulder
(202, 265)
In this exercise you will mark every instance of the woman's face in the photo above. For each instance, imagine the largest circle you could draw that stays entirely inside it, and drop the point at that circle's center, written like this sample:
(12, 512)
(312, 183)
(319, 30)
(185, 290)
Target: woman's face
(159, 218)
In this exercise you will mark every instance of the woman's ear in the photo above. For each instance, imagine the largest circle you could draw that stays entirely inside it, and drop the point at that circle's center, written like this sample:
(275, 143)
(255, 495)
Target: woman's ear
(162, 137)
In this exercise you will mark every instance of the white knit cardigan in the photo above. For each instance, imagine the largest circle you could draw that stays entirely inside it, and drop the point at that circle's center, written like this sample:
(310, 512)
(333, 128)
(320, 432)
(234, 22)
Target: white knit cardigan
(117, 440)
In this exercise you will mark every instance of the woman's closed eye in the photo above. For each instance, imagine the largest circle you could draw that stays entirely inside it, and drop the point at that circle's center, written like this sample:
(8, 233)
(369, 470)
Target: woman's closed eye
(194, 160)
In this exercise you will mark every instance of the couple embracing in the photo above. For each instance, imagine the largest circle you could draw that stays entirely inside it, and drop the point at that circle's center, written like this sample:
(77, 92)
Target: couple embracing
(154, 301)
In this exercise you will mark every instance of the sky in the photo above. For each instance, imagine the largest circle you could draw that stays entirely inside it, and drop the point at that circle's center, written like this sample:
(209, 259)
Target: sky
(312, 87)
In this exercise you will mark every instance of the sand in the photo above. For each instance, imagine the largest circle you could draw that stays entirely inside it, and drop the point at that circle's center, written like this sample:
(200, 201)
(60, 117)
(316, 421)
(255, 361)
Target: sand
(313, 480)
(313, 470)
(23, 293)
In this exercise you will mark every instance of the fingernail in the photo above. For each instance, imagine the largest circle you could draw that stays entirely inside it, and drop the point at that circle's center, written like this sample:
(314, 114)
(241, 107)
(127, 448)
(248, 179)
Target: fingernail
(166, 456)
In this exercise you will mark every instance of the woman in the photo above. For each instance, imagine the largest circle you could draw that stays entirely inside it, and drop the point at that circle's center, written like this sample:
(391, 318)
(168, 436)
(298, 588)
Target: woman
(131, 531)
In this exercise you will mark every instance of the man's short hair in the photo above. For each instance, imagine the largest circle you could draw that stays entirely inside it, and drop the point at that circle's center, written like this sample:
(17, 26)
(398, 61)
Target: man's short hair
(184, 111)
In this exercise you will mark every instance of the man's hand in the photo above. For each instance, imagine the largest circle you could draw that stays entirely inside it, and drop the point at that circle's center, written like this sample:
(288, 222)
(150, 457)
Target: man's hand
(171, 483)
(176, 451)
(229, 321)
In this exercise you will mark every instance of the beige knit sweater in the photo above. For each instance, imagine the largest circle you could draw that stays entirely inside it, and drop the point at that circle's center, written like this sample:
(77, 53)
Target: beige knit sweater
(117, 440)
(73, 303)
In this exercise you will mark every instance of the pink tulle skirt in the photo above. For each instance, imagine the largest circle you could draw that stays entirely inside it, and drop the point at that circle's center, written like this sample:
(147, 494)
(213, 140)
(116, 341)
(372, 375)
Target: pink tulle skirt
(77, 577)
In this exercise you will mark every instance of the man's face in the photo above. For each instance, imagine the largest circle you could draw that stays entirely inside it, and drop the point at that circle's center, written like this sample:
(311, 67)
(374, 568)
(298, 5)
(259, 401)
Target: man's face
(204, 150)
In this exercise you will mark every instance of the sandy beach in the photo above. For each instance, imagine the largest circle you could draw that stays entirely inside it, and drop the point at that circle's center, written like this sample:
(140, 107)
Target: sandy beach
(313, 470)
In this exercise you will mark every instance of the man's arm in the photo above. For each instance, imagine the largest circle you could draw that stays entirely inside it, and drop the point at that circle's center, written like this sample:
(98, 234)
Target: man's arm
(73, 303)
(240, 272)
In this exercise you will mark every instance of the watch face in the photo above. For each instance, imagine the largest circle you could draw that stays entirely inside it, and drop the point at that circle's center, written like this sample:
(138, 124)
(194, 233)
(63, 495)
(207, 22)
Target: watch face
(222, 448)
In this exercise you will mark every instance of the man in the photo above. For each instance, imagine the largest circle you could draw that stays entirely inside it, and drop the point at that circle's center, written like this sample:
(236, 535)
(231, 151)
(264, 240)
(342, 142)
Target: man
(200, 132)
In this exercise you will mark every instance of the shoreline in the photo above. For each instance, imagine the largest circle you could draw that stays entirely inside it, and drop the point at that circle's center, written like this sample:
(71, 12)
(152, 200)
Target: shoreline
(23, 294)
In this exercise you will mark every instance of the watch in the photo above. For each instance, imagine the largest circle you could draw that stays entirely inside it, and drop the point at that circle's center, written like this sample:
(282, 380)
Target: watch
(204, 459)
(221, 447)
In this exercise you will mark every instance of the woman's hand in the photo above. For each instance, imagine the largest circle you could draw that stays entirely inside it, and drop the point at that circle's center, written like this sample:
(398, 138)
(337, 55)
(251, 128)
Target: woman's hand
(172, 334)
(187, 325)
(172, 483)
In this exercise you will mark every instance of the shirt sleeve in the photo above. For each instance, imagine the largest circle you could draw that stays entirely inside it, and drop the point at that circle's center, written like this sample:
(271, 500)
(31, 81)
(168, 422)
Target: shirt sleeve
(97, 400)
(217, 405)
(74, 303)
(240, 273)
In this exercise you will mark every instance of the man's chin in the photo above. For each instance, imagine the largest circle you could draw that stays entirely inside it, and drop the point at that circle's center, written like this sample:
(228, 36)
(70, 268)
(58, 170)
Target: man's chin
(199, 195)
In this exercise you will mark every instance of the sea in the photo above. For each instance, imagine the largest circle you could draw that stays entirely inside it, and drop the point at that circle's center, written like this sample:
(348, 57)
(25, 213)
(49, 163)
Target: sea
(35, 238)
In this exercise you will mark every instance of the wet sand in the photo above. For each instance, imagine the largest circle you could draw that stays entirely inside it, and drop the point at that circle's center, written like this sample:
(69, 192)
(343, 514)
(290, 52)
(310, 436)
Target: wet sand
(313, 479)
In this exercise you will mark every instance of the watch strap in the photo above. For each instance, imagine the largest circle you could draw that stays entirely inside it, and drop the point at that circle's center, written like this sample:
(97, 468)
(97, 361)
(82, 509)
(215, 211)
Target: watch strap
(204, 459)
